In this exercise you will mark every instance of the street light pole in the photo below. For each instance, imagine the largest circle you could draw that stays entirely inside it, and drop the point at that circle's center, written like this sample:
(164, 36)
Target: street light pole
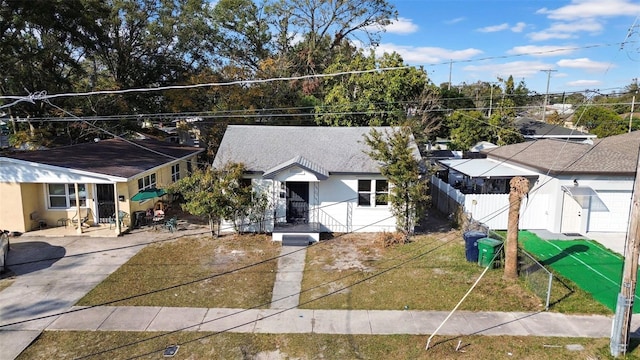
(546, 95)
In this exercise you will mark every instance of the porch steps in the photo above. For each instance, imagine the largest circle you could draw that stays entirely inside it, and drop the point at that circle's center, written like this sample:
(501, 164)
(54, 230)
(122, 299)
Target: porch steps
(296, 240)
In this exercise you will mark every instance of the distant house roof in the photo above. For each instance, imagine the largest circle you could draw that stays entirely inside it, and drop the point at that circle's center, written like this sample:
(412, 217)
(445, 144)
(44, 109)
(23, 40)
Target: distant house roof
(614, 155)
(485, 168)
(264, 149)
(114, 157)
(481, 146)
(534, 129)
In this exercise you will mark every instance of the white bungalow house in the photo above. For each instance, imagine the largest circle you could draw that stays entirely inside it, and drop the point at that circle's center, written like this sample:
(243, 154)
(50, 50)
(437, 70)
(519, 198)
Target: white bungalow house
(575, 187)
(319, 179)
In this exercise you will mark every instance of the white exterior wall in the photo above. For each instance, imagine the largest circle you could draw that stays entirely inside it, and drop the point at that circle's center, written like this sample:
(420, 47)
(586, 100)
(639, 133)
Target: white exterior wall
(338, 194)
(337, 207)
(543, 208)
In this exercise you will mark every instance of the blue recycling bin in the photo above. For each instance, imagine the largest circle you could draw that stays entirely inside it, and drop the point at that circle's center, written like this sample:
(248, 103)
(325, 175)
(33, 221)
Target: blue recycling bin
(471, 244)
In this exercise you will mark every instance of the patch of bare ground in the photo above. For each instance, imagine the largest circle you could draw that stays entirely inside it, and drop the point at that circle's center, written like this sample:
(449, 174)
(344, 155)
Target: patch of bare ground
(350, 252)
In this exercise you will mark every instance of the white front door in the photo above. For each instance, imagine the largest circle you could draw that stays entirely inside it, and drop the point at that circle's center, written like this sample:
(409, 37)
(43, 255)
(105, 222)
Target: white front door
(571, 215)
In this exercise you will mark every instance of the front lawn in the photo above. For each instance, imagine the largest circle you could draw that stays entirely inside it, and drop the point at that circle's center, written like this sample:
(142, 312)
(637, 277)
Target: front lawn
(197, 345)
(194, 272)
(430, 273)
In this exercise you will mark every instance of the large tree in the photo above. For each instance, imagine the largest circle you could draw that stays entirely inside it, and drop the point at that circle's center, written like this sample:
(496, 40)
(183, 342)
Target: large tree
(372, 98)
(408, 194)
(324, 25)
(599, 120)
(243, 32)
(467, 129)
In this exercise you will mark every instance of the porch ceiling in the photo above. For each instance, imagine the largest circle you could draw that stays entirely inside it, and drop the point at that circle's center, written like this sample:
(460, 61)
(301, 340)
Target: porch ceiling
(485, 168)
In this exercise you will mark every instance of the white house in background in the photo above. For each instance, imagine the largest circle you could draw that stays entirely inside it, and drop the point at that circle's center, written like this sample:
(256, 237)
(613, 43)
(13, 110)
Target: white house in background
(319, 179)
(580, 187)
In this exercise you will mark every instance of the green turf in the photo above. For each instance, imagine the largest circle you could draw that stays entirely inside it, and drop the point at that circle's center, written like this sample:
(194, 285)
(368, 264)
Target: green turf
(593, 268)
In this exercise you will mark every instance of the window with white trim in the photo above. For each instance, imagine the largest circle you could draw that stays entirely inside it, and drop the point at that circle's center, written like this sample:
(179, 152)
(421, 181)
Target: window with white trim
(175, 172)
(374, 192)
(63, 196)
(147, 182)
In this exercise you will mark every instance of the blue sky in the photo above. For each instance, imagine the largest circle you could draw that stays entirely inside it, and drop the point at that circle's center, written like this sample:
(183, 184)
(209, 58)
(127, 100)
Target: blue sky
(579, 39)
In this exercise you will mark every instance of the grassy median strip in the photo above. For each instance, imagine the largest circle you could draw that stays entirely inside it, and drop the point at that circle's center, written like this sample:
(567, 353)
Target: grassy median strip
(173, 264)
(197, 345)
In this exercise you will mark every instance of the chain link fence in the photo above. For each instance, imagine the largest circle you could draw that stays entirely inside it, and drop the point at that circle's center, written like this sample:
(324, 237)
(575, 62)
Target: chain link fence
(534, 275)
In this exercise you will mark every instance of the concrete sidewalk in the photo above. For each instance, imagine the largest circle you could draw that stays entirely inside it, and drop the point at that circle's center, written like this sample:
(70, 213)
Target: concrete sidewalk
(367, 322)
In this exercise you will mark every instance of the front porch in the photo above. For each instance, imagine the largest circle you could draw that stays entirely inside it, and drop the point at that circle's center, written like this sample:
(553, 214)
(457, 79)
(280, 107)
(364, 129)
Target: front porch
(284, 231)
(100, 230)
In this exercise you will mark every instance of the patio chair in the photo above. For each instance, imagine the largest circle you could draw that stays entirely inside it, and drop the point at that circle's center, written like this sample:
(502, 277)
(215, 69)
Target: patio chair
(80, 219)
(37, 223)
(171, 224)
(121, 217)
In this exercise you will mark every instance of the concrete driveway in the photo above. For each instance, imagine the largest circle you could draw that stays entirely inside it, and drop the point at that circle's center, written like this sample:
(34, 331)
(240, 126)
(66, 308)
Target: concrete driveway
(49, 275)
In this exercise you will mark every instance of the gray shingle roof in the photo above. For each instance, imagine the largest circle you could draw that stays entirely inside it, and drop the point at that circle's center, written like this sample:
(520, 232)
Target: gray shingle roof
(113, 157)
(334, 149)
(614, 155)
(534, 128)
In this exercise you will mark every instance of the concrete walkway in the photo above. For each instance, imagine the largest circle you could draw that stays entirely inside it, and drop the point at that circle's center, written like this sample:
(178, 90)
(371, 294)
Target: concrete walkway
(368, 322)
(288, 284)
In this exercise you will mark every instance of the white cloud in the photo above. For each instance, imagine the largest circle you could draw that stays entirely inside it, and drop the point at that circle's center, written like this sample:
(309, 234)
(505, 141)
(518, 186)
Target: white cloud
(494, 28)
(519, 69)
(584, 64)
(427, 55)
(455, 21)
(541, 51)
(567, 30)
(519, 27)
(581, 9)
(504, 26)
(402, 26)
(583, 83)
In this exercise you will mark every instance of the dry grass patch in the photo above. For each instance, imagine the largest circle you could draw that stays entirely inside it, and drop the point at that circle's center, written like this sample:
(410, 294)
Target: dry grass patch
(197, 345)
(429, 273)
(194, 272)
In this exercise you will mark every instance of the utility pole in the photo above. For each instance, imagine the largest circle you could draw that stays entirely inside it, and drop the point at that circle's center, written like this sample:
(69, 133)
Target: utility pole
(624, 307)
(546, 95)
(450, 68)
(633, 103)
(490, 100)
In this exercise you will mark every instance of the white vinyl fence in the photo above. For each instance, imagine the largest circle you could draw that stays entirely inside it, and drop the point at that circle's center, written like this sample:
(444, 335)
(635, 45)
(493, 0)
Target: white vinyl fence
(489, 209)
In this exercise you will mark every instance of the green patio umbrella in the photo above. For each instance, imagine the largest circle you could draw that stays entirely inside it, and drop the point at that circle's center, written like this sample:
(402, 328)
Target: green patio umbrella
(147, 194)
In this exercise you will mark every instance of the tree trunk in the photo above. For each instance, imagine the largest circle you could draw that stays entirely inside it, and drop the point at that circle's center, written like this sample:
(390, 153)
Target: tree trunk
(519, 187)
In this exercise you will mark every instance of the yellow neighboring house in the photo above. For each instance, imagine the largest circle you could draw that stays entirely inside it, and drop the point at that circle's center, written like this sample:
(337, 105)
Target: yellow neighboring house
(42, 188)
